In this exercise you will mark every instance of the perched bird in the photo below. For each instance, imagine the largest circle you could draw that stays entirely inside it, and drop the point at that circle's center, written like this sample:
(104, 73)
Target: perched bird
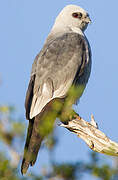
(64, 62)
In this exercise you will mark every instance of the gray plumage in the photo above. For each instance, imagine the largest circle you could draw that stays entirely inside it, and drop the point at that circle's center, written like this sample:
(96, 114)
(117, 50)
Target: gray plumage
(56, 67)
(65, 60)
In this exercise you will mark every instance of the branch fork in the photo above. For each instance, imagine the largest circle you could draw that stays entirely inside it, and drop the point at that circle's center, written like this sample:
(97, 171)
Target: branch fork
(94, 138)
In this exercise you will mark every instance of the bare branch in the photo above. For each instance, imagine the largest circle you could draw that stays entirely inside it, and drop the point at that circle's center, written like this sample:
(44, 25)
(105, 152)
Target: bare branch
(94, 138)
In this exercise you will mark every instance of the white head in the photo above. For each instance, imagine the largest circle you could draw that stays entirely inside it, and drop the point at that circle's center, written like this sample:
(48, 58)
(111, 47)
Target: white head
(72, 16)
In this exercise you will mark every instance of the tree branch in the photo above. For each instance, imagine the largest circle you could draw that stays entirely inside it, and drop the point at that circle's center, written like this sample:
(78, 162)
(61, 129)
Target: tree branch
(94, 138)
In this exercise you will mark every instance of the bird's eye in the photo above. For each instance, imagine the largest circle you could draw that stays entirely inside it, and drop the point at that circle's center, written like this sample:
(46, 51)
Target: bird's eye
(75, 15)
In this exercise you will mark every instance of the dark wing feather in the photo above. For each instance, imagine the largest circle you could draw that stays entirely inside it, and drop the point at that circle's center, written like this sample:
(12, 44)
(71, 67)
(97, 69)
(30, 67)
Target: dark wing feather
(29, 96)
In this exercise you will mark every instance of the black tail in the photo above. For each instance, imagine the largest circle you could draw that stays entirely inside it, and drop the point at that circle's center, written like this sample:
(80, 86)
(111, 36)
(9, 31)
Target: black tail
(32, 145)
(39, 127)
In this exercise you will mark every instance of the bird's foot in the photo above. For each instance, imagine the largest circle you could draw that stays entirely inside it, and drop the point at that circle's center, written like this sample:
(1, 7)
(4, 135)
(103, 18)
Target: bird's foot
(67, 116)
(76, 116)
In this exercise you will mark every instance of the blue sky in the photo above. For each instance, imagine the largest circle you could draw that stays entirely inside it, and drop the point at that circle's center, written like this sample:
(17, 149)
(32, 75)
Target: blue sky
(24, 25)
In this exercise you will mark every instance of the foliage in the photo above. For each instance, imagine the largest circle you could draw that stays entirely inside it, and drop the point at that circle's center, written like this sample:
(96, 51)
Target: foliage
(11, 137)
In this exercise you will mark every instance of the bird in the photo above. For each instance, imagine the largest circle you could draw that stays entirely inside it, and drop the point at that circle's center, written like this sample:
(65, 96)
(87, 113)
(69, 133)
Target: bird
(62, 65)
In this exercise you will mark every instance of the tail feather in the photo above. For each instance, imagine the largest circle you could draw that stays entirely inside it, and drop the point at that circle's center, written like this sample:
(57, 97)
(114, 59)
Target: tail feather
(39, 127)
(32, 146)
(35, 141)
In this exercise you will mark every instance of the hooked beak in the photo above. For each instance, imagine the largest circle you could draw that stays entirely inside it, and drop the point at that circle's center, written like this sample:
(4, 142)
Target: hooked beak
(87, 20)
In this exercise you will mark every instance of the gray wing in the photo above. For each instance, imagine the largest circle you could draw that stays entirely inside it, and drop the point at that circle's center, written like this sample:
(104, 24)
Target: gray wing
(54, 71)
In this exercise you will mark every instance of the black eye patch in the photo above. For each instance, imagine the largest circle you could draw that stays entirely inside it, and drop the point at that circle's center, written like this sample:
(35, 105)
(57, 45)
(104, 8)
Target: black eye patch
(79, 15)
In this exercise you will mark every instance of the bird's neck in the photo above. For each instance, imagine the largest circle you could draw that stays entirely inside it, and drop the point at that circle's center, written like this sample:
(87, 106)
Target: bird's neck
(77, 30)
(59, 30)
(62, 28)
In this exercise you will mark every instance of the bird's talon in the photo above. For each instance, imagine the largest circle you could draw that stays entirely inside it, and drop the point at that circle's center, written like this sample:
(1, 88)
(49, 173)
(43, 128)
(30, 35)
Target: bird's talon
(77, 117)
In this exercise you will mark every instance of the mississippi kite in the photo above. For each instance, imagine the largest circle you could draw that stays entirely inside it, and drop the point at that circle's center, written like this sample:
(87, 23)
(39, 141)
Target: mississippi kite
(63, 62)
